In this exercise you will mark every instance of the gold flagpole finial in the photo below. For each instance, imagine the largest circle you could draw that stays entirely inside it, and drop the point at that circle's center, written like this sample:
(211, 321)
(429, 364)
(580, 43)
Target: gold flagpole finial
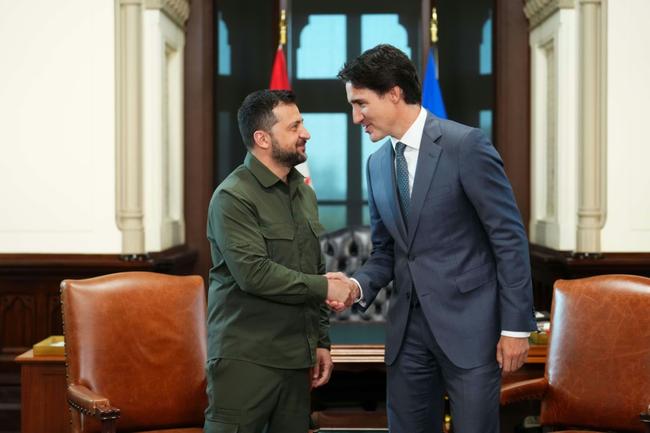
(283, 27)
(434, 26)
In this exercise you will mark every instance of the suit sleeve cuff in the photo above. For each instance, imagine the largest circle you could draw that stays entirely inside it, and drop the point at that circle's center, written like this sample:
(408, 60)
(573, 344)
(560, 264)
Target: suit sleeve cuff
(515, 334)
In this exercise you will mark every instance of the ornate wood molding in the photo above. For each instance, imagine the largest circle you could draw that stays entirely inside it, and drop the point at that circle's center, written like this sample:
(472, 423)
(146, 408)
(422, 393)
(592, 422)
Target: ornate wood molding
(537, 11)
(177, 10)
(177, 260)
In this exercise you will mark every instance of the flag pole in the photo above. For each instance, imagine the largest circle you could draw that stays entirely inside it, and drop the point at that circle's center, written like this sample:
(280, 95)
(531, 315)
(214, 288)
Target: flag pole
(434, 36)
(283, 28)
(279, 72)
(431, 93)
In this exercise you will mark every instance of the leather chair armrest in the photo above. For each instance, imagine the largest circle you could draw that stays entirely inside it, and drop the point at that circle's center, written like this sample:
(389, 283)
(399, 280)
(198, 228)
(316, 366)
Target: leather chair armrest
(89, 403)
(533, 389)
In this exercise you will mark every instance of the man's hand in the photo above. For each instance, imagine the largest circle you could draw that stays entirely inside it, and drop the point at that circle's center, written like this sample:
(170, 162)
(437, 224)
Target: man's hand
(340, 299)
(321, 372)
(511, 353)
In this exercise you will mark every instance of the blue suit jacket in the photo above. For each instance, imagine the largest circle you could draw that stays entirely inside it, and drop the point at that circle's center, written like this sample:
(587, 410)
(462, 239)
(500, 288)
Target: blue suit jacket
(465, 253)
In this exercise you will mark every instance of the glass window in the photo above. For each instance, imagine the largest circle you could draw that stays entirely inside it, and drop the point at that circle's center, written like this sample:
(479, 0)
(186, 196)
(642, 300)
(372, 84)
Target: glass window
(326, 34)
(322, 45)
(367, 147)
(332, 217)
(383, 29)
(224, 48)
(327, 154)
(485, 50)
(365, 215)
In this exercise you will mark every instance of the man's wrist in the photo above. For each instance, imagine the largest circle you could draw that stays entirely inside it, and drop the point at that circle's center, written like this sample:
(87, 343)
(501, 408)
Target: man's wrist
(516, 334)
(359, 297)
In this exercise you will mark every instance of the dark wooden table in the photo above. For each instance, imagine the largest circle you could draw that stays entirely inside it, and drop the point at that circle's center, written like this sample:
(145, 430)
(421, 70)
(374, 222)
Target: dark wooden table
(43, 394)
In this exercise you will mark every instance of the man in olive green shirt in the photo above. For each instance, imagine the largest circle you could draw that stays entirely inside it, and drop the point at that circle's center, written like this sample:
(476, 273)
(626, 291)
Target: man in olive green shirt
(267, 321)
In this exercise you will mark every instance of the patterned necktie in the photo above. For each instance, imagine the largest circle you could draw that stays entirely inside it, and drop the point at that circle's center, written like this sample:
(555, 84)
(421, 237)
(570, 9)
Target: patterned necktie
(402, 177)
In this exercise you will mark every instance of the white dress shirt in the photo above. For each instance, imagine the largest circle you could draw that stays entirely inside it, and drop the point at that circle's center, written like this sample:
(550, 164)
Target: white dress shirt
(412, 139)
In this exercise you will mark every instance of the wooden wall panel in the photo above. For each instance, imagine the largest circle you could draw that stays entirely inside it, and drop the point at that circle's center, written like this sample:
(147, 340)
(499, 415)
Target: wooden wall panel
(512, 104)
(199, 128)
(18, 315)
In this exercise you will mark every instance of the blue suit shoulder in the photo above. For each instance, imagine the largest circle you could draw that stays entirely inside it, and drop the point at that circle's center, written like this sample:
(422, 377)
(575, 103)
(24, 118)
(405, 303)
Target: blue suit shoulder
(456, 132)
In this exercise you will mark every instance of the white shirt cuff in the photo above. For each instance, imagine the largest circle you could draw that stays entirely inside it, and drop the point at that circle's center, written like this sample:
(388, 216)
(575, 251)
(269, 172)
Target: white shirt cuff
(360, 299)
(516, 334)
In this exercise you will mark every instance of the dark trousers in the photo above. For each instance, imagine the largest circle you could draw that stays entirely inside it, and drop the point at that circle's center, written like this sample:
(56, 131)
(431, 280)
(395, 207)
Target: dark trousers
(419, 378)
(249, 398)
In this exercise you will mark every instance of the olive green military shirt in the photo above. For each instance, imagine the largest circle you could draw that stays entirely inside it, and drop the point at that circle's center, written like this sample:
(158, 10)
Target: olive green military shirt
(267, 289)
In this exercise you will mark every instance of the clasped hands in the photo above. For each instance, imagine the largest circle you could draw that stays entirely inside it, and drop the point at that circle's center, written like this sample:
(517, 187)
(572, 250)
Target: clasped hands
(342, 292)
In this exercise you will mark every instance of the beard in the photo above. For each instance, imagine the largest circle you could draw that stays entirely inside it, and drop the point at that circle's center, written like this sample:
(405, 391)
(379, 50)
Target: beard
(287, 158)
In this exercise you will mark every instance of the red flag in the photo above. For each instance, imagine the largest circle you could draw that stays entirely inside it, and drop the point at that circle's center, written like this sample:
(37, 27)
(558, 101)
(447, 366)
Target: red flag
(279, 76)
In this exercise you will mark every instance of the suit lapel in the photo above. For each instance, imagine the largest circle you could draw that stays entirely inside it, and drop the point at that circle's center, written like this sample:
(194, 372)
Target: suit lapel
(425, 169)
(386, 193)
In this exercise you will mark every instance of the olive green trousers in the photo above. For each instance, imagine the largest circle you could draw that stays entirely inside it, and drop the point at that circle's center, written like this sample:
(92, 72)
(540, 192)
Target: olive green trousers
(250, 398)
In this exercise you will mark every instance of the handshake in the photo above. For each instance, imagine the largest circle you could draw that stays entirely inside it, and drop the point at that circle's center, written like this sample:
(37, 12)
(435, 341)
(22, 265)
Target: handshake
(342, 292)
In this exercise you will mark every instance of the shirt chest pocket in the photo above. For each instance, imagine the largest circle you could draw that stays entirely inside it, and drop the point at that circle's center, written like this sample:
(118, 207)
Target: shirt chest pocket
(279, 240)
(317, 228)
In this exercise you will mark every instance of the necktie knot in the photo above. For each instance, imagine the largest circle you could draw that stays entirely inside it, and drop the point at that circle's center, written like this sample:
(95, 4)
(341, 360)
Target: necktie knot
(399, 148)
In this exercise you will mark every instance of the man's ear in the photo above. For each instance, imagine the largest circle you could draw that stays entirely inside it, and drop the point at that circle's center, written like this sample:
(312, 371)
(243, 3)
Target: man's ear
(395, 94)
(262, 139)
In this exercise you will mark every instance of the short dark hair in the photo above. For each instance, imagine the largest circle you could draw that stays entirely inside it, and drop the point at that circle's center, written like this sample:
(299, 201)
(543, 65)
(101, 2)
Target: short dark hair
(256, 112)
(380, 69)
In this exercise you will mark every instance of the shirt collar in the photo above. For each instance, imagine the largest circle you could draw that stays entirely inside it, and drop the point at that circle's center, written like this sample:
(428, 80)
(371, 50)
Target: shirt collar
(265, 176)
(413, 135)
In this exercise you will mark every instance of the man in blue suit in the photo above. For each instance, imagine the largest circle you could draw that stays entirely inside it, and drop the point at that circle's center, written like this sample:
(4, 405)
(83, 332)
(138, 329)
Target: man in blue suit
(447, 232)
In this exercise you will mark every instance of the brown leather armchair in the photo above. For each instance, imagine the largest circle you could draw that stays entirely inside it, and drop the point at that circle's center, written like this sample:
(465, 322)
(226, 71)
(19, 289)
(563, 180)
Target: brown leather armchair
(598, 365)
(135, 350)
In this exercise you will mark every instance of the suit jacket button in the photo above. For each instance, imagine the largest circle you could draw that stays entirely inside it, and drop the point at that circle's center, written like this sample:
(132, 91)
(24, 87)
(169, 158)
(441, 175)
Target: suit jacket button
(408, 295)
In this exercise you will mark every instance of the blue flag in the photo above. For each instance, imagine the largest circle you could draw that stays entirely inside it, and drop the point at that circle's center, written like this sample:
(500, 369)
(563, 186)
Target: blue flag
(431, 95)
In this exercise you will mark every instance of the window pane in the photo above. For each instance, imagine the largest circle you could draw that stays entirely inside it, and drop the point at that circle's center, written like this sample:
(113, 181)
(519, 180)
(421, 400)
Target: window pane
(333, 217)
(322, 52)
(465, 54)
(365, 215)
(367, 147)
(224, 48)
(383, 29)
(327, 154)
(485, 50)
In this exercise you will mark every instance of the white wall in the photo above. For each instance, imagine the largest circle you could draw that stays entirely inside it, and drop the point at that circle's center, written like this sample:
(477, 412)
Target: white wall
(57, 105)
(628, 139)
